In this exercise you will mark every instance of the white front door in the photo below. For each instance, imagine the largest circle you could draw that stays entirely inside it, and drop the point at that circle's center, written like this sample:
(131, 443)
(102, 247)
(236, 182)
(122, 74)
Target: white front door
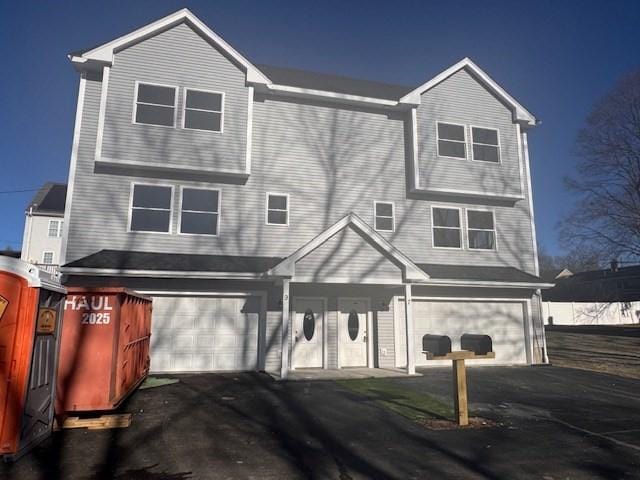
(352, 332)
(308, 334)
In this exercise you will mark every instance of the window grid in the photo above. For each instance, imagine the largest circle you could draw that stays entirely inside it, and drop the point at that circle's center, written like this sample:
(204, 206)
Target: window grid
(47, 258)
(55, 228)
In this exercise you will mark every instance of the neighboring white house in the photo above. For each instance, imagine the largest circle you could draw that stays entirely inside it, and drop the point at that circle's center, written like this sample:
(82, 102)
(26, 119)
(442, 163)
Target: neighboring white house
(42, 239)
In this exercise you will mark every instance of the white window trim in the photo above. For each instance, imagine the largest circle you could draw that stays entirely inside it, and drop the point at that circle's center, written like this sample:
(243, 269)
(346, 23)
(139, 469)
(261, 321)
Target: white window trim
(466, 143)
(130, 215)
(52, 257)
(266, 209)
(392, 217)
(485, 162)
(184, 109)
(494, 230)
(219, 212)
(434, 226)
(58, 229)
(135, 104)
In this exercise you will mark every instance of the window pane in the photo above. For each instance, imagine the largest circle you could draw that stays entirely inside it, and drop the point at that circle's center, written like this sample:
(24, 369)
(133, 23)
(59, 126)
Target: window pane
(47, 258)
(446, 217)
(202, 120)
(154, 115)
(452, 149)
(156, 94)
(384, 223)
(54, 226)
(478, 219)
(486, 153)
(450, 132)
(200, 200)
(279, 218)
(445, 237)
(150, 220)
(203, 223)
(384, 209)
(204, 100)
(481, 239)
(277, 202)
(485, 135)
(152, 196)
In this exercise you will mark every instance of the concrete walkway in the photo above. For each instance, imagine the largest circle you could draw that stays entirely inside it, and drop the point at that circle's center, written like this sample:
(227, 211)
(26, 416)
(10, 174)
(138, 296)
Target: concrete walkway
(306, 374)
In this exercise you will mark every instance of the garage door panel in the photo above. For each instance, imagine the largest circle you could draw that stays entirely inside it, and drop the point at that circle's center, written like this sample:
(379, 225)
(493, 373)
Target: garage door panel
(204, 334)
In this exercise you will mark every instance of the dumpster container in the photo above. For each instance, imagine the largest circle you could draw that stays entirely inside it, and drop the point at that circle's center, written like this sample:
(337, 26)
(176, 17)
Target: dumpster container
(104, 350)
(31, 302)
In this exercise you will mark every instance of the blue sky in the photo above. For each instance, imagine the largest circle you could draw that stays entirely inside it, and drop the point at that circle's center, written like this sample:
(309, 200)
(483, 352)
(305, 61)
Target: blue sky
(556, 57)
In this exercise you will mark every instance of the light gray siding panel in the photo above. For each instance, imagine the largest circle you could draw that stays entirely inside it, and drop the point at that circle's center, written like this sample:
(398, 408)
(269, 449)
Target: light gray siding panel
(347, 257)
(384, 323)
(177, 57)
(461, 99)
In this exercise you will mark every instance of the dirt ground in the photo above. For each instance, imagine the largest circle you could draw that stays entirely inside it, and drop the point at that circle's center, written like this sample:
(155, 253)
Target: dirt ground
(613, 349)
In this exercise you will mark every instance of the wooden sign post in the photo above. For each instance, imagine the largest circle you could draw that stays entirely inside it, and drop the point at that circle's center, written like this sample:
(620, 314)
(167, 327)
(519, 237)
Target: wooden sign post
(460, 400)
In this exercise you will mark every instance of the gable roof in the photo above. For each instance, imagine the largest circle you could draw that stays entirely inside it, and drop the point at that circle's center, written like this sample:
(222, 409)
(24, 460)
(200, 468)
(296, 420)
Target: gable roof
(412, 272)
(104, 53)
(51, 198)
(519, 112)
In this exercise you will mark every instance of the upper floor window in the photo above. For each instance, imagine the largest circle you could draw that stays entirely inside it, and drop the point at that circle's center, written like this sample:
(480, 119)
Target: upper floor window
(155, 105)
(199, 211)
(203, 110)
(446, 227)
(384, 213)
(151, 208)
(47, 258)
(277, 209)
(481, 230)
(55, 228)
(452, 140)
(486, 144)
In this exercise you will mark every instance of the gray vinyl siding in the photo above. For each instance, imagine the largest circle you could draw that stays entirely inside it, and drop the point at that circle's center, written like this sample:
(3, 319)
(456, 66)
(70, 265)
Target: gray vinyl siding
(330, 159)
(385, 329)
(347, 257)
(461, 99)
(182, 58)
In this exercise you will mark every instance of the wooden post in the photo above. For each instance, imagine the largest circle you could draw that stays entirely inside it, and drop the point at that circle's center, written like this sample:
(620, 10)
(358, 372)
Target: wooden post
(286, 336)
(460, 392)
(411, 357)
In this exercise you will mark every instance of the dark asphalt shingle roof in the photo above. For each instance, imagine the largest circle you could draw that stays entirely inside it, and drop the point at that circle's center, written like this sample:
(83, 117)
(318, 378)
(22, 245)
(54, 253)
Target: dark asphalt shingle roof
(479, 273)
(622, 285)
(51, 198)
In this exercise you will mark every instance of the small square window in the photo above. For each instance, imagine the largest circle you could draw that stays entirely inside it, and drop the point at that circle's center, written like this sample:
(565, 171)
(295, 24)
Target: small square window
(277, 209)
(452, 140)
(384, 216)
(151, 208)
(200, 211)
(203, 110)
(155, 105)
(486, 144)
(446, 227)
(47, 258)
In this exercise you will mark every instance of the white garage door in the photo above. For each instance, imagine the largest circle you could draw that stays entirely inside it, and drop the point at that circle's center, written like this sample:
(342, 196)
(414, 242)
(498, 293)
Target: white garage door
(502, 321)
(204, 334)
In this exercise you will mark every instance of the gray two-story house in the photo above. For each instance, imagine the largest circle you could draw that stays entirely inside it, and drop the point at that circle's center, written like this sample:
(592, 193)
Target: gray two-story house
(283, 219)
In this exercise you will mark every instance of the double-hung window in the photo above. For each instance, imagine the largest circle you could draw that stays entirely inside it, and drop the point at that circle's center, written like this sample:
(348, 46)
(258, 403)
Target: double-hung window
(446, 227)
(486, 144)
(47, 258)
(155, 105)
(55, 228)
(481, 230)
(277, 209)
(203, 110)
(384, 213)
(151, 208)
(452, 140)
(200, 211)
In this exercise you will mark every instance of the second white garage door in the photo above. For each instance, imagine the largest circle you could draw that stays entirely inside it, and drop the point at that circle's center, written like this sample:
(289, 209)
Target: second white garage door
(502, 321)
(205, 334)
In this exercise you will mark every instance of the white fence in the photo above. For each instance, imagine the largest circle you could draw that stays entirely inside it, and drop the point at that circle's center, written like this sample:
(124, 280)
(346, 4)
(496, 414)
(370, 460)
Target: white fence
(586, 313)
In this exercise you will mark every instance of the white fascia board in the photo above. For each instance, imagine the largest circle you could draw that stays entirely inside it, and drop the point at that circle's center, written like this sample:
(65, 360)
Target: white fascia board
(105, 52)
(342, 97)
(448, 192)
(487, 284)
(108, 272)
(520, 113)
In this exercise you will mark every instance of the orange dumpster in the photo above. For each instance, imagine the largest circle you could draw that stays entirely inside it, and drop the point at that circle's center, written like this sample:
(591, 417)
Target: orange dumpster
(104, 350)
(31, 303)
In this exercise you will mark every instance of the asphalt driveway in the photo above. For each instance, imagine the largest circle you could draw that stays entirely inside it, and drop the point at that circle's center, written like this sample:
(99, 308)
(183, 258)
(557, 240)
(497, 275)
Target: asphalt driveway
(555, 423)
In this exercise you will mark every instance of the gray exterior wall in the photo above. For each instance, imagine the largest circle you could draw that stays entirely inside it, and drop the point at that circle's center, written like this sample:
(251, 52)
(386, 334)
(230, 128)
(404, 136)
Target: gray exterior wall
(331, 159)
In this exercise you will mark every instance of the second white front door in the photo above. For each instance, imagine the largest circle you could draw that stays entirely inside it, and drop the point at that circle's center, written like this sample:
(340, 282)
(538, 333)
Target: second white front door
(352, 332)
(308, 332)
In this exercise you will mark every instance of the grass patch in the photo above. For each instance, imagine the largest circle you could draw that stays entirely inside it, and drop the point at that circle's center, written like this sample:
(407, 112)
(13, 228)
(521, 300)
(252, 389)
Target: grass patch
(406, 402)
